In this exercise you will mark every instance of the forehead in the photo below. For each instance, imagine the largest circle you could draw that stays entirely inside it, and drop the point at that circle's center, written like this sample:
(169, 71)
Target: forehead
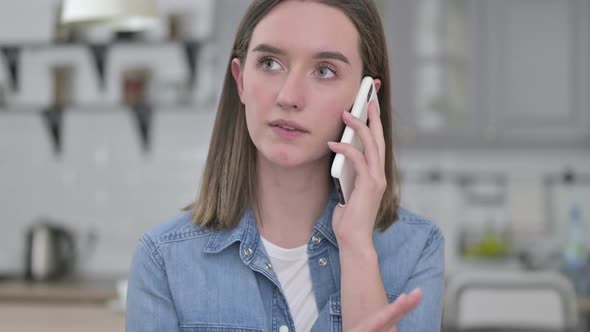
(307, 26)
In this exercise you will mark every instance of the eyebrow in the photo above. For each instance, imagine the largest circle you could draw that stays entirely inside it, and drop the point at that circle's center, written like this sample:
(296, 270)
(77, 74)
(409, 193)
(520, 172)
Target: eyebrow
(320, 55)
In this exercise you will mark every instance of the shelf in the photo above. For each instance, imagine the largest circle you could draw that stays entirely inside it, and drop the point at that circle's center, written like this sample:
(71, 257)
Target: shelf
(99, 52)
(54, 119)
(101, 108)
(50, 45)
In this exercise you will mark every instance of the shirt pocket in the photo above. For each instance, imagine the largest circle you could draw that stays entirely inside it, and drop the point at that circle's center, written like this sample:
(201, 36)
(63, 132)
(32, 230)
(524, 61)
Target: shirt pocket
(215, 328)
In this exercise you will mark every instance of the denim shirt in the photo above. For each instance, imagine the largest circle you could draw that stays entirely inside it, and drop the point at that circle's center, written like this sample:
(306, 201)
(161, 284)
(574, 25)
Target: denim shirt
(188, 278)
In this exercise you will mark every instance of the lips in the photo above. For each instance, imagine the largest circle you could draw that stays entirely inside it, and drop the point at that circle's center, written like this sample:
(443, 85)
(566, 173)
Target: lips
(288, 125)
(287, 130)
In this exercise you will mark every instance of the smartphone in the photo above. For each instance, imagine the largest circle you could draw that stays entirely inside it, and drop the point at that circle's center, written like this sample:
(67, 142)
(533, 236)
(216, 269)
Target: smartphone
(342, 170)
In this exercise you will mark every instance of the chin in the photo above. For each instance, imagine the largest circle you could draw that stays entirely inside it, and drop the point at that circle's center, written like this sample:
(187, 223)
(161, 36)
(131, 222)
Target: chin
(290, 156)
(285, 157)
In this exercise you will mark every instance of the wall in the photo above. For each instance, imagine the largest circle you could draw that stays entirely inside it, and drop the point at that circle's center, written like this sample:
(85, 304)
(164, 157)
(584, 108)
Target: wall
(103, 183)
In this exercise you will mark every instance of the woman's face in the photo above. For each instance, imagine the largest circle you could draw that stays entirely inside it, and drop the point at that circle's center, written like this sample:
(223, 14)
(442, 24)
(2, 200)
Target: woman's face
(303, 69)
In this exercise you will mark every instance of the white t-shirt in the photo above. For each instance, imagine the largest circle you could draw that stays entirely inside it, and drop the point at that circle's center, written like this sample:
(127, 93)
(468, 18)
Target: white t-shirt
(292, 268)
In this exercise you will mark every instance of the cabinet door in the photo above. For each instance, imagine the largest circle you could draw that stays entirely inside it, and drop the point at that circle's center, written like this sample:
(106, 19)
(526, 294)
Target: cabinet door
(536, 56)
(54, 317)
(490, 73)
(434, 59)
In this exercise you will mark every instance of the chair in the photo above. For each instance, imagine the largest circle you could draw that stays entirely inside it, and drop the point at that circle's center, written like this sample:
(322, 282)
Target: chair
(509, 301)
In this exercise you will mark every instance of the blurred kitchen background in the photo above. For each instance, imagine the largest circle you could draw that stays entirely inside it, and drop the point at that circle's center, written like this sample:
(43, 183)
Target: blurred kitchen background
(104, 131)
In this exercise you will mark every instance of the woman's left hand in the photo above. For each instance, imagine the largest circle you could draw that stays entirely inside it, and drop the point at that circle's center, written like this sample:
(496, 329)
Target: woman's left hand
(353, 224)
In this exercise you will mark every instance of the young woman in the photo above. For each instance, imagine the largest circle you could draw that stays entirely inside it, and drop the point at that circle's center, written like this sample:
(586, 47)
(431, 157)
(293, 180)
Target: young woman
(265, 246)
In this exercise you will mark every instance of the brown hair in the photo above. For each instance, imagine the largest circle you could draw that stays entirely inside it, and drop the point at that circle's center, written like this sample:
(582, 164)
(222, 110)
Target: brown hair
(229, 179)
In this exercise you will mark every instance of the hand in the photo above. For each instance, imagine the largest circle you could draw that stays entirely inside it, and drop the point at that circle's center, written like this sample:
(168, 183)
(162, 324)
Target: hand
(354, 223)
(387, 318)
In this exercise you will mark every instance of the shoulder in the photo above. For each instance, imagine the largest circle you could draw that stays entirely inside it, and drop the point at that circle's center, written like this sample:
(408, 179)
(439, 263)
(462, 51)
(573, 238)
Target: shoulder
(407, 220)
(412, 246)
(177, 228)
(411, 232)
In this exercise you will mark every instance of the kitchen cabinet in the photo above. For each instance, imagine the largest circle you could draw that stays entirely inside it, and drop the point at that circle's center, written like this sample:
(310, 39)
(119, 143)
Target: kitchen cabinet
(34, 317)
(536, 59)
(490, 73)
(66, 306)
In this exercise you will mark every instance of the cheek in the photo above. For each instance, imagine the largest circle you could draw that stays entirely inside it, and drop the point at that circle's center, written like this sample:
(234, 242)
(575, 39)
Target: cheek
(331, 115)
(256, 98)
(259, 93)
(329, 125)
(336, 127)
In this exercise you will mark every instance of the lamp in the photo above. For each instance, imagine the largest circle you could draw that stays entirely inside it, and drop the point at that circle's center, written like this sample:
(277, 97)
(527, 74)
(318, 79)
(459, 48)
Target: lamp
(130, 15)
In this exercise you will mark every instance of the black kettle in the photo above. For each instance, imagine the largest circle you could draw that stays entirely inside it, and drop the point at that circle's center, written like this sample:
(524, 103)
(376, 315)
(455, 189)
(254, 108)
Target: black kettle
(50, 252)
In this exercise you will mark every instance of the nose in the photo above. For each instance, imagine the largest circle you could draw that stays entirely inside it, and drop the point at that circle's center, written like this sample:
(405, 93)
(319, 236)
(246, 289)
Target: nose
(291, 94)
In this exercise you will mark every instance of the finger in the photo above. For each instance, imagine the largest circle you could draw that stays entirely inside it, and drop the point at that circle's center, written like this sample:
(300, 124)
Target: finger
(403, 305)
(357, 158)
(390, 315)
(393, 313)
(415, 297)
(376, 128)
(369, 143)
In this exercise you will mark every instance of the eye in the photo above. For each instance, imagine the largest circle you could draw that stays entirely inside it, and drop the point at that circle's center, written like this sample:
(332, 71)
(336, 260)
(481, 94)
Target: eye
(269, 64)
(325, 72)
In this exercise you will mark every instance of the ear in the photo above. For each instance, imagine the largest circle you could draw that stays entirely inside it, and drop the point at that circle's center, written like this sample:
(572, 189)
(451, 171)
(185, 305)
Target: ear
(377, 84)
(236, 71)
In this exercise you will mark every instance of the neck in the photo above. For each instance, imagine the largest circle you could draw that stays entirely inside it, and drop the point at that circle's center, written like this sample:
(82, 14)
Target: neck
(291, 200)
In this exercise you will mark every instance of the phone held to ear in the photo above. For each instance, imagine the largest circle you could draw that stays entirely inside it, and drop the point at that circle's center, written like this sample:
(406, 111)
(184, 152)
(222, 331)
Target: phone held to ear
(342, 169)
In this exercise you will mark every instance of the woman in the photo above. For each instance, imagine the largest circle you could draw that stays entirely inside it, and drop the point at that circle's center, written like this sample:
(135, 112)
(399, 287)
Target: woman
(266, 247)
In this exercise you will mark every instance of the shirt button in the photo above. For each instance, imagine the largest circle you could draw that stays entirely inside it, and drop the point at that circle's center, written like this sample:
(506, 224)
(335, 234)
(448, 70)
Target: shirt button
(323, 261)
(268, 266)
(247, 251)
(316, 240)
(283, 328)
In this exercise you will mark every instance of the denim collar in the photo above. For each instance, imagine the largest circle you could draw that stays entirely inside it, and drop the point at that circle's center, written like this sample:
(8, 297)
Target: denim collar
(324, 223)
(246, 232)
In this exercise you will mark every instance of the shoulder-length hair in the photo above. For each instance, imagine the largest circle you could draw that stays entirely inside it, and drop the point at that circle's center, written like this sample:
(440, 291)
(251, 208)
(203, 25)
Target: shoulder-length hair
(228, 183)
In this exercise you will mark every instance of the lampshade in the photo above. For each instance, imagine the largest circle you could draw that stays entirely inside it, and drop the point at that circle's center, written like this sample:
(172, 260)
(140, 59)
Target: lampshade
(142, 13)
